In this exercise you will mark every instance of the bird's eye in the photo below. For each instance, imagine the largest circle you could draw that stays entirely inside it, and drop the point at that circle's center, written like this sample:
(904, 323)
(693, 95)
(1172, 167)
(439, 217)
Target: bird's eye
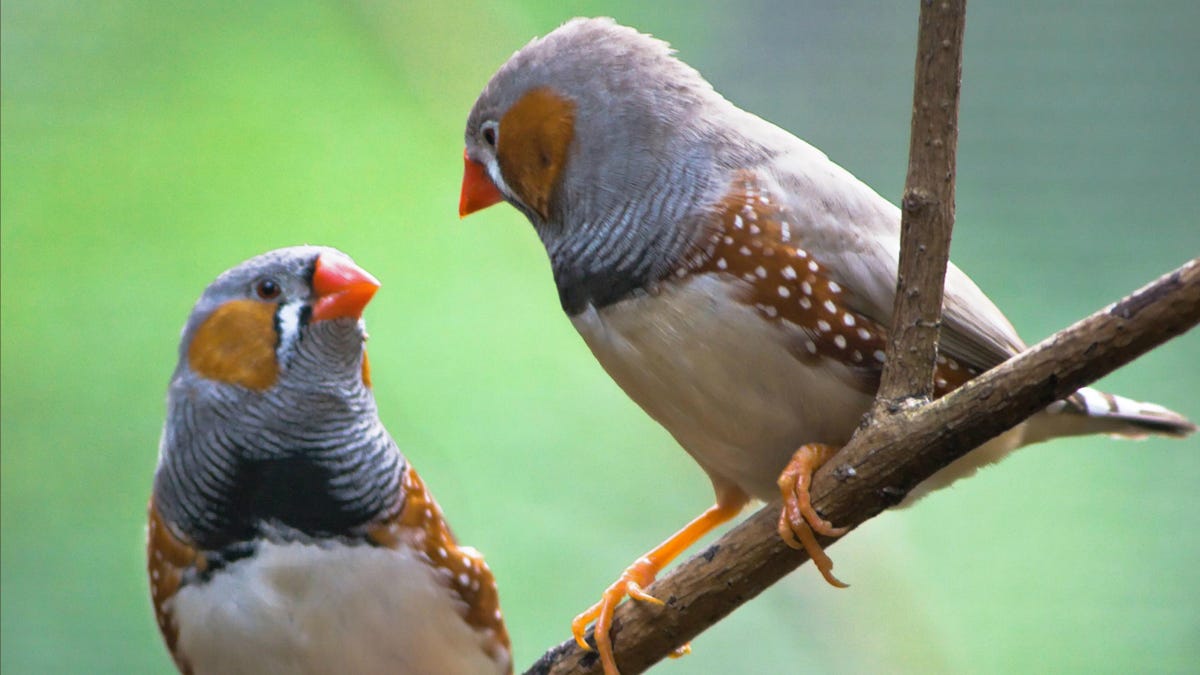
(267, 289)
(489, 130)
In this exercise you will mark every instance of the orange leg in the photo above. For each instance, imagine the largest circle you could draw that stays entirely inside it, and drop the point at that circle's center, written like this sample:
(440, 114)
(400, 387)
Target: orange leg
(642, 572)
(798, 518)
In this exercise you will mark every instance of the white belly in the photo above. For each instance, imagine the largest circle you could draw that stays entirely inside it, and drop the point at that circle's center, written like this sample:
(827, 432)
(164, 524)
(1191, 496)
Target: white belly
(300, 608)
(722, 380)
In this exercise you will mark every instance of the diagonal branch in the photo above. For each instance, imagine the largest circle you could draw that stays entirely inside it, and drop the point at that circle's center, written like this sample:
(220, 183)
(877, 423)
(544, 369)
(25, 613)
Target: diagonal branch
(903, 444)
(883, 462)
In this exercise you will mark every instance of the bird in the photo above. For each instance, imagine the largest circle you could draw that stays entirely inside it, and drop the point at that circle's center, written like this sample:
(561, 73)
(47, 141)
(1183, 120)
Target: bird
(735, 282)
(286, 531)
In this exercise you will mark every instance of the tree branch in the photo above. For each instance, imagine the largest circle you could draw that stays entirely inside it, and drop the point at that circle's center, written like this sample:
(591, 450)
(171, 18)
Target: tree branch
(927, 208)
(902, 445)
(881, 464)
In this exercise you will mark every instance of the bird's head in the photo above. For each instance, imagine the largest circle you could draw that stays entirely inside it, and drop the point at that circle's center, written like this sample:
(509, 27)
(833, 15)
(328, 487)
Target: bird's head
(581, 122)
(292, 315)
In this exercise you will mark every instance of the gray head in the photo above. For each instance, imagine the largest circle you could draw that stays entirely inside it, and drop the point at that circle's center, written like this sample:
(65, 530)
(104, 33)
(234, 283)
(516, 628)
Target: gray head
(270, 398)
(246, 328)
(608, 144)
(592, 103)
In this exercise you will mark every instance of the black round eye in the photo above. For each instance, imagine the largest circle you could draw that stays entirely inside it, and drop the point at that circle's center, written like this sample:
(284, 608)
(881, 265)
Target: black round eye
(489, 133)
(267, 289)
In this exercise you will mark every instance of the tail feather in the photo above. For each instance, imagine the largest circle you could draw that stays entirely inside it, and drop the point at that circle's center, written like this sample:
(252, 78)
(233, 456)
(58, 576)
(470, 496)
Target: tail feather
(1087, 411)
(1090, 411)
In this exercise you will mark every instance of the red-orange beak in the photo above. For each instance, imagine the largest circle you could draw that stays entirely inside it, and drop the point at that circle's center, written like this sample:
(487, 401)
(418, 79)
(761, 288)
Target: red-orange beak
(478, 191)
(343, 289)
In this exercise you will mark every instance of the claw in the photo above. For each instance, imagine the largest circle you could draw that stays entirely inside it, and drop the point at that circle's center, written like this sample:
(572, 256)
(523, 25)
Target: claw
(798, 519)
(631, 582)
(641, 574)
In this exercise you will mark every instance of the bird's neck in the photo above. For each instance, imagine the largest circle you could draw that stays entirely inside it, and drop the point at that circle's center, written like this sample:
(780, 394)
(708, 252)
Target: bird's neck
(237, 468)
(619, 246)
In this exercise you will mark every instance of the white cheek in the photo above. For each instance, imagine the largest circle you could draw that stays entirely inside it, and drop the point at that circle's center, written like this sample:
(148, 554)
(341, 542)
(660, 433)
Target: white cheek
(493, 171)
(289, 329)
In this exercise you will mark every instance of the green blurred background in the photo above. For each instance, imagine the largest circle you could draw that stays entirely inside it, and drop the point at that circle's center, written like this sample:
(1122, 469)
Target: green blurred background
(147, 146)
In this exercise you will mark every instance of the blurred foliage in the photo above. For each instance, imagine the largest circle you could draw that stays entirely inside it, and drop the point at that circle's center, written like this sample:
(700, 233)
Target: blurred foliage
(149, 145)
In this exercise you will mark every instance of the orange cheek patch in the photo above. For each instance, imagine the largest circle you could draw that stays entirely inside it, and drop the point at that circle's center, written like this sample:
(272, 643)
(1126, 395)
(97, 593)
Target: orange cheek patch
(366, 371)
(236, 344)
(532, 151)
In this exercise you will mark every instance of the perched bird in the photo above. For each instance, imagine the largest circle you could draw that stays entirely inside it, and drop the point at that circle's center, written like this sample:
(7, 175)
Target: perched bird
(735, 282)
(287, 534)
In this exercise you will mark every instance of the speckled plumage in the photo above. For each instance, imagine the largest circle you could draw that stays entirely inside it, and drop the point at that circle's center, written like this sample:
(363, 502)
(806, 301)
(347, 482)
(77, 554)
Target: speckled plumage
(287, 533)
(733, 280)
(667, 181)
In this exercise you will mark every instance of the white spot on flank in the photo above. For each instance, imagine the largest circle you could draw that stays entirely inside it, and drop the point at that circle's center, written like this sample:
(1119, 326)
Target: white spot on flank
(728, 239)
(801, 253)
(864, 333)
(748, 276)
(784, 292)
(755, 230)
(769, 310)
(806, 287)
(154, 574)
(834, 287)
(441, 552)
(857, 356)
(721, 264)
(744, 250)
(785, 231)
(737, 222)
(789, 273)
(848, 319)
(954, 365)
(463, 579)
(941, 383)
(840, 341)
(941, 359)
(823, 326)
(810, 346)
(813, 266)
(806, 303)
(880, 356)
(829, 306)
(761, 272)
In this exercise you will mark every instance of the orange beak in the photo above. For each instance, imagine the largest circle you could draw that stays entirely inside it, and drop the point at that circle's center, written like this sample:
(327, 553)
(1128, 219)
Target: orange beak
(343, 289)
(478, 191)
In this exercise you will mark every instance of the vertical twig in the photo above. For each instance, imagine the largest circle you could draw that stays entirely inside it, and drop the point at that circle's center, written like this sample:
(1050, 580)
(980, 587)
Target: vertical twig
(927, 208)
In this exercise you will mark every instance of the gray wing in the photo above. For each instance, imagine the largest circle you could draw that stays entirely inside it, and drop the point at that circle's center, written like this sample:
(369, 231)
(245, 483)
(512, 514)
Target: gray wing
(855, 233)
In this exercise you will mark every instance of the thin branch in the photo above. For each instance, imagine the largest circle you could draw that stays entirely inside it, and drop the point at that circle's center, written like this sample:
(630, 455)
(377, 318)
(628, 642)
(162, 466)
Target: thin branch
(881, 464)
(927, 215)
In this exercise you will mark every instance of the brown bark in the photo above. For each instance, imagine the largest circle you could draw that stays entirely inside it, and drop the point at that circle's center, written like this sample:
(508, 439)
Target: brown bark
(883, 462)
(908, 438)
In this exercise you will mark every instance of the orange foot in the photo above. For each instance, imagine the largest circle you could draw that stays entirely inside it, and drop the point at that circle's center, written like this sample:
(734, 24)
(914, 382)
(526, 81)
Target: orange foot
(642, 573)
(799, 519)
